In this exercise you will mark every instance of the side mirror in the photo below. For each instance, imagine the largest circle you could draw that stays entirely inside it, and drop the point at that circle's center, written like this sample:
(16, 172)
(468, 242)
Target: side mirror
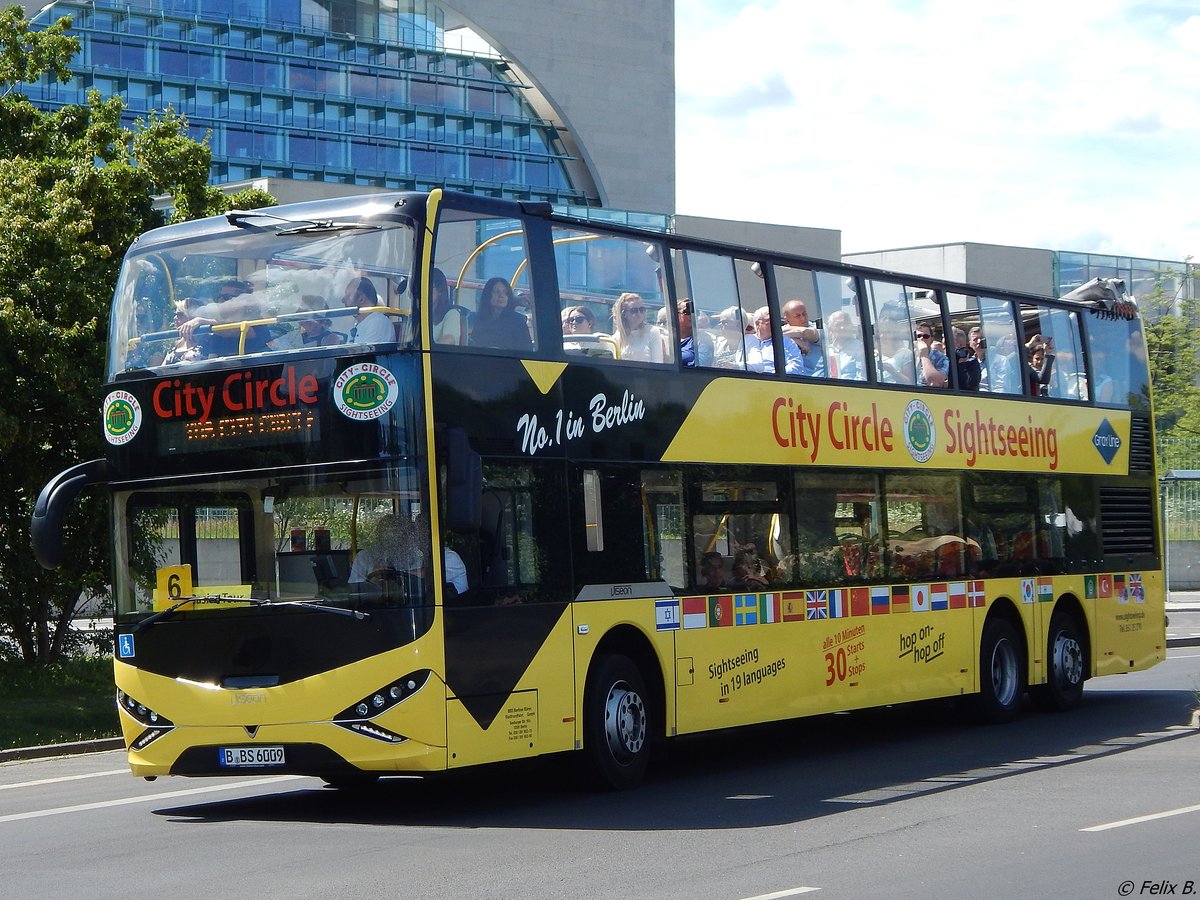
(52, 503)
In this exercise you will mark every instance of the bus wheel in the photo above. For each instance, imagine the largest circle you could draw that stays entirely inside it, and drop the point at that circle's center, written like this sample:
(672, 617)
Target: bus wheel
(1064, 683)
(1001, 672)
(616, 727)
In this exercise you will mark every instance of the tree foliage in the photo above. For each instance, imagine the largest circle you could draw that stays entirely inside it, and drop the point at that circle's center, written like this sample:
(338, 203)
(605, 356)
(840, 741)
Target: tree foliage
(76, 187)
(1169, 318)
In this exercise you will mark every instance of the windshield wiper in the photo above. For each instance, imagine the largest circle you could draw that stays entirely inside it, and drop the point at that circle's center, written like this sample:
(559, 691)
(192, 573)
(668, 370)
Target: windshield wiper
(326, 226)
(252, 601)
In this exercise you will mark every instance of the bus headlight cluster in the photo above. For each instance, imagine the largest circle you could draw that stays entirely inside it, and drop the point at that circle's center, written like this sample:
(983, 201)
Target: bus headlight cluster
(141, 712)
(383, 699)
(157, 725)
(357, 717)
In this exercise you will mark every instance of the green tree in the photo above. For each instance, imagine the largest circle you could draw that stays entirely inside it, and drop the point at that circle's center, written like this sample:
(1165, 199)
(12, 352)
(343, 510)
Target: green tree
(1169, 319)
(76, 187)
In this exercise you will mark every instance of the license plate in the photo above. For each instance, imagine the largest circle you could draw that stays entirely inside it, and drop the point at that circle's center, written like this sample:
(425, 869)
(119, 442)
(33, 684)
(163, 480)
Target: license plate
(242, 757)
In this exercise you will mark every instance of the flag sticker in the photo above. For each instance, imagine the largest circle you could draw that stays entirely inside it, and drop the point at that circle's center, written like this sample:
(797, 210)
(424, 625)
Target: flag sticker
(815, 604)
(1105, 586)
(881, 601)
(920, 598)
(1137, 592)
(975, 594)
(745, 609)
(860, 601)
(939, 597)
(900, 598)
(793, 606)
(666, 614)
(1045, 590)
(720, 611)
(1026, 590)
(1119, 589)
(695, 612)
(837, 604)
(958, 595)
(1089, 587)
(768, 608)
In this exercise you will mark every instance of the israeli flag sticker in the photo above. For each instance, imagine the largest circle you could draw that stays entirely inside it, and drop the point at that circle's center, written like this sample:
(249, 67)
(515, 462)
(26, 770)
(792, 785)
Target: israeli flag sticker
(125, 646)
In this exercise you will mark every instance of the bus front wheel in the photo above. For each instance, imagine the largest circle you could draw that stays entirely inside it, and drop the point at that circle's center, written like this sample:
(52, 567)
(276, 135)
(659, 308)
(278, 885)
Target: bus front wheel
(1064, 682)
(1001, 672)
(616, 724)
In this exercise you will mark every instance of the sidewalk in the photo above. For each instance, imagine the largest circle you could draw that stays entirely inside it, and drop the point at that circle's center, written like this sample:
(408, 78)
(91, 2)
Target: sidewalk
(1183, 601)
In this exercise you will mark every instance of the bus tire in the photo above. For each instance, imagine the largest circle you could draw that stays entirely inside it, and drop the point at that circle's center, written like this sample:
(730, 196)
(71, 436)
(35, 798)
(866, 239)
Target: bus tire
(1064, 682)
(1001, 672)
(616, 724)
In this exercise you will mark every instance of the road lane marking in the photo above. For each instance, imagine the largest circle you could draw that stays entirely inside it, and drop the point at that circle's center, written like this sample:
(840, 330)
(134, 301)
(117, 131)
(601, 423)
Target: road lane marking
(149, 798)
(20, 784)
(1138, 820)
(790, 892)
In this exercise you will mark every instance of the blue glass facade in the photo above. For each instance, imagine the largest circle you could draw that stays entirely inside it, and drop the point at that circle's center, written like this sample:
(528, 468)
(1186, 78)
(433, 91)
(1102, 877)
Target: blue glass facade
(346, 91)
(1141, 276)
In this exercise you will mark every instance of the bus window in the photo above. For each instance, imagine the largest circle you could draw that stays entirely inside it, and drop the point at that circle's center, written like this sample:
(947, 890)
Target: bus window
(1117, 354)
(1052, 351)
(741, 531)
(725, 293)
(596, 275)
(488, 303)
(909, 344)
(800, 312)
(632, 521)
(838, 520)
(841, 326)
(925, 526)
(1001, 358)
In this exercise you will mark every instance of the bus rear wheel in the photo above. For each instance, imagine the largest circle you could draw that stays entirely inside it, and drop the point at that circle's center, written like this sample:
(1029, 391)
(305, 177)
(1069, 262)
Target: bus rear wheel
(1001, 672)
(1064, 682)
(616, 724)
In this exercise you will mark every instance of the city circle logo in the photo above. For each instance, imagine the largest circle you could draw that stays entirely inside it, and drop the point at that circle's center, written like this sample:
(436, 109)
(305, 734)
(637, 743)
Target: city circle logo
(365, 391)
(919, 435)
(122, 417)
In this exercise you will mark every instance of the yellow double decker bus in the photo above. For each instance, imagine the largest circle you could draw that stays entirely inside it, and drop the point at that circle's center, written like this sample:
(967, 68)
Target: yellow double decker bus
(419, 481)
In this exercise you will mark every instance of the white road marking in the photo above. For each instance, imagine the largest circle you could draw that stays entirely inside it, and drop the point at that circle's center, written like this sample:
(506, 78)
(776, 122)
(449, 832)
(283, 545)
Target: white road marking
(149, 798)
(1140, 819)
(20, 784)
(790, 892)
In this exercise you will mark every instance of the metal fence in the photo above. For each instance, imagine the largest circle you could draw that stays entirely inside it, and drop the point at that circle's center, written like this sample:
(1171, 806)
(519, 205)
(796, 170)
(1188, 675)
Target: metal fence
(1181, 511)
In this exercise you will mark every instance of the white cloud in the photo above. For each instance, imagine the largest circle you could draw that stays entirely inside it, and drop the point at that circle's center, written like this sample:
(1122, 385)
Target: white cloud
(1029, 123)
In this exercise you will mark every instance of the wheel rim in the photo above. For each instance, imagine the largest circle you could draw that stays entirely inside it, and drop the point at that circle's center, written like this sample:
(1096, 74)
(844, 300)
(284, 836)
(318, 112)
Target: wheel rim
(1004, 673)
(1068, 660)
(624, 722)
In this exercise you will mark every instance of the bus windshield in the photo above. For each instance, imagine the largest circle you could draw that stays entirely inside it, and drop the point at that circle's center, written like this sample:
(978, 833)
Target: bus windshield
(354, 541)
(261, 287)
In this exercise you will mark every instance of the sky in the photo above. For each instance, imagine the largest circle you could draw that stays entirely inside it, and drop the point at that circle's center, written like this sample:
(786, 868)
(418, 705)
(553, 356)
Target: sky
(1063, 124)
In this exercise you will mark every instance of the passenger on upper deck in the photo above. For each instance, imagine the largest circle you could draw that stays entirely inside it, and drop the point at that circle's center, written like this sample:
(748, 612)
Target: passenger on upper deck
(760, 348)
(695, 347)
(807, 338)
(369, 327)
(965, 363)
(933, 365)
(186, 349)
(497, 322)
(448, 321)
(311, 332)
(729, 342)
(229, 308)
(637, 338)
(846, 357)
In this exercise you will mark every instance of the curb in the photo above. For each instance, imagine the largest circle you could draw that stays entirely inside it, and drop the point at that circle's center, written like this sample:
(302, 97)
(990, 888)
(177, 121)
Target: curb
(75, 747)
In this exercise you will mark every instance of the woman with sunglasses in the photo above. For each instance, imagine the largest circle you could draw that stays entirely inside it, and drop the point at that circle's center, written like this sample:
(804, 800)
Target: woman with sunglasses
(636, 337)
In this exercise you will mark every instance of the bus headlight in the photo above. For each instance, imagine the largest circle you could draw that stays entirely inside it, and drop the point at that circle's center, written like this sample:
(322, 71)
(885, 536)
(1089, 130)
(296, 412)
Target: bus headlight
(356, 718)
(157, 725)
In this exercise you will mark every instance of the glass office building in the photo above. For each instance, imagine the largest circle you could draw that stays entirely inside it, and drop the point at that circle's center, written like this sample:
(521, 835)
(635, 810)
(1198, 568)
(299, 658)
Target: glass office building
(1142, 277)
(356, 92)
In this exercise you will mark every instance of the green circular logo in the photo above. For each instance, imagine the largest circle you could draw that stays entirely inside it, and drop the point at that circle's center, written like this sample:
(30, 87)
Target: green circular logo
(122, 417)
(919, 435)
(365, 391)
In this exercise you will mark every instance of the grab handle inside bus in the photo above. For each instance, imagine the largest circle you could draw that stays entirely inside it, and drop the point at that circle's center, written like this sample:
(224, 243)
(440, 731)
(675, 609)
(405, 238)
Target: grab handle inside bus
(52, 503)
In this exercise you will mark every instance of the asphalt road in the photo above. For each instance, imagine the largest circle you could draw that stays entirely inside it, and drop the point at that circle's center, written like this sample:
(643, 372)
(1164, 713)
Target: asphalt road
(902, 802)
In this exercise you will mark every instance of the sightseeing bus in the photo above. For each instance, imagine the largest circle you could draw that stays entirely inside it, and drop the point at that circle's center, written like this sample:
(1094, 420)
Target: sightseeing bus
(417, 481)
